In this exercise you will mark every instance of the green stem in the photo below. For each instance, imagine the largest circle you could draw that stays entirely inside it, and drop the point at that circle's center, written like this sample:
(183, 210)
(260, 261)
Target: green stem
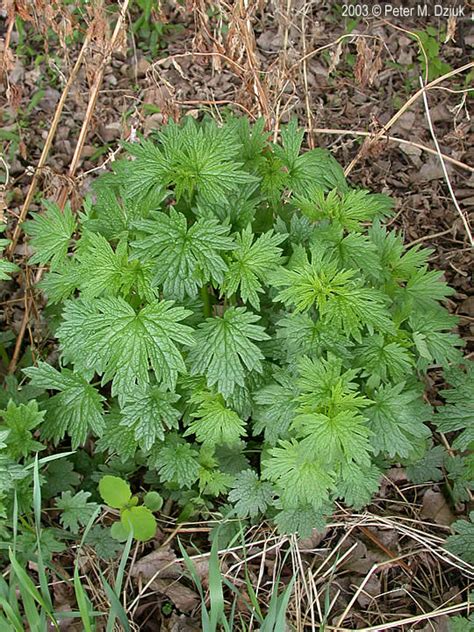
(206, 299)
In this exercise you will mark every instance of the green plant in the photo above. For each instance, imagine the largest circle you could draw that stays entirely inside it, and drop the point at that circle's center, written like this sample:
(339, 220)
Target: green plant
(430, 60)
(462, 542)
(237, 320)
(150, 27)
(135, 519)
(25, 599)
(6, 267)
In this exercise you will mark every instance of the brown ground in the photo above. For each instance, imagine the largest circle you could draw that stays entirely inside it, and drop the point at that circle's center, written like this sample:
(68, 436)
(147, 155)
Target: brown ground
(273, 59)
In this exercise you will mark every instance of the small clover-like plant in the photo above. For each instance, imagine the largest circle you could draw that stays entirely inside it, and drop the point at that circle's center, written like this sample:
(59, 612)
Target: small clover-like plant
(135, 518)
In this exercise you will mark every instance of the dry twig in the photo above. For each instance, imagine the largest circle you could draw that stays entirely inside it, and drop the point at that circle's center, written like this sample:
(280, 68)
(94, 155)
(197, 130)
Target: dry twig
(443, 166)
(47, 146)
(401, 111)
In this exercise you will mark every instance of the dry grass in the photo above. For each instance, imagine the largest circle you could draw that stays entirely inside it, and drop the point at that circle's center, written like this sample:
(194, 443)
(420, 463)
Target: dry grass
(332, 589)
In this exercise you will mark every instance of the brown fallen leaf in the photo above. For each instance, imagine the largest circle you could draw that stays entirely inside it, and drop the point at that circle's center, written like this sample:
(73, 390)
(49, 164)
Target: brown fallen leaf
(183, 598)
(436, 508)
(162, 561)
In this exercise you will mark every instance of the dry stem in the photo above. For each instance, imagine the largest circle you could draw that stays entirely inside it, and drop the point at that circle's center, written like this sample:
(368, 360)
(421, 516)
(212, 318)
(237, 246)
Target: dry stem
(443, 166)
(403, 109)
(47, 146)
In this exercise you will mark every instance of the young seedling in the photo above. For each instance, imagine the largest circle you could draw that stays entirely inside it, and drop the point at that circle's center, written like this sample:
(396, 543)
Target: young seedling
(134, 518)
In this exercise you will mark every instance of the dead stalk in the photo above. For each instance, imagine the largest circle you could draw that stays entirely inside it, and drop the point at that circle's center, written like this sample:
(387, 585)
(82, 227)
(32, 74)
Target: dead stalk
(47, 146)
(92, 102)
(403, 109)
(74, 162)
(443, 166)
(395, 139)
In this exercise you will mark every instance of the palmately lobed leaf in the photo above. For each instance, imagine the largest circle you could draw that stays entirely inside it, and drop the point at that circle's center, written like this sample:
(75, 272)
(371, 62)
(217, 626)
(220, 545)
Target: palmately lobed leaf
(19, 422)
(109, 337)
(76, 510)
(251, 264)
(77, 408)
(225, 349)
(183, 257)
(251, 496)
(51, 234)
(150, 412)
(300, 477)
(215, 423)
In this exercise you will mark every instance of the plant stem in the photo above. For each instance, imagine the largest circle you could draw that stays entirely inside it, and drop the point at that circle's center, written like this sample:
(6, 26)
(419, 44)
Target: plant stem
(206, 299)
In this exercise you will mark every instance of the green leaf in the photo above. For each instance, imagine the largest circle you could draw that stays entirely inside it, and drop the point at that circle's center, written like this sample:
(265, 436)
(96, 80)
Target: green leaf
(119, 532)
(346, 210)
(433, 339)
(153, 501)
(176, 461)
(10, 471)
(149, 411)
(276, 407)
(355, 251)
(20, 420)
(341, 299)
(60, 476)
(250, 495)
(107, 336)
(117, 439)
(461, 624)
(458, 414)
(428, 468)
(76, 409)
(339, 438)
(396, 263)
(183, 258)
(357, 484)
(397, 420)
(327, 388)
(61, 283)
(462, 543)
(251, 263)
(426, 286)
(316, 166)
(51, 234)
(224, 350)
(301, 519)
(141, 521)
(6, 267)
(193, 160)
(460, 471)
(301, 335)
(105, 272)
(115, 491)
(214, 482)
(214, 423)
(383, 361)
(3, 436)
(76, 511)
(299, 476)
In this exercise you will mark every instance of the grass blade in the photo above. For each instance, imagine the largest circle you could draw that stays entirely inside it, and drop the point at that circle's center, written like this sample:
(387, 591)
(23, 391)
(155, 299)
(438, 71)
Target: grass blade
(43, 580)
(216, 594)
(85, 606)
(116, 608)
